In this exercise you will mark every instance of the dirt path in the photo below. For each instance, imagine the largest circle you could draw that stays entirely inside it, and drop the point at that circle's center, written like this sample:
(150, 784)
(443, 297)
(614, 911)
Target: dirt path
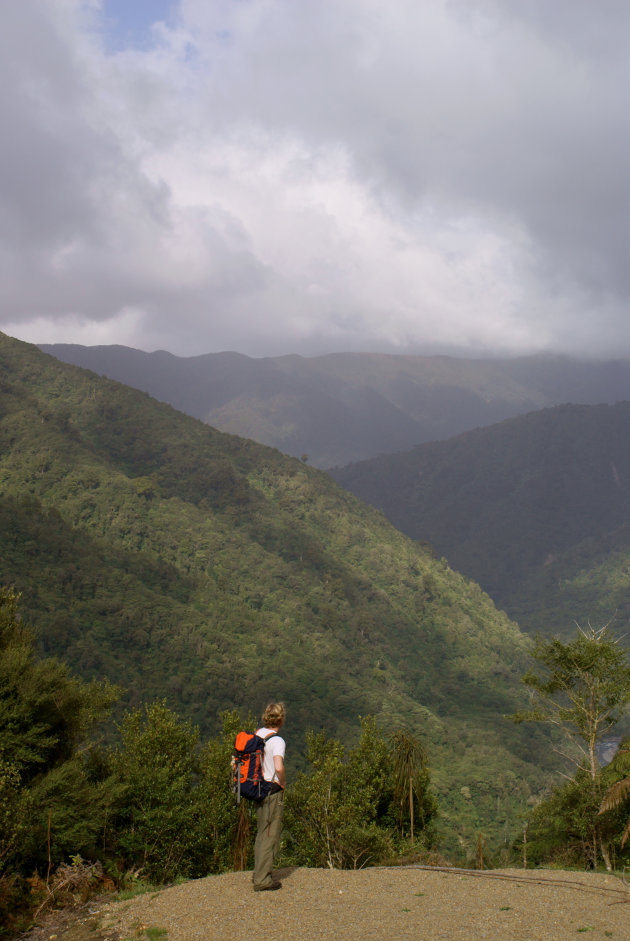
(318, 905)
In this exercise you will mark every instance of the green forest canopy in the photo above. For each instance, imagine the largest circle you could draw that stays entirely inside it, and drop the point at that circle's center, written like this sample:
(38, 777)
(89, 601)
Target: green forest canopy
(182, 562)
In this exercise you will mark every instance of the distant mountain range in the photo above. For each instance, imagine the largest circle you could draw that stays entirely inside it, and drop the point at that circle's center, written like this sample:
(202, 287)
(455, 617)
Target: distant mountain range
(185, 563)
(536, 509)
(529, 501)
(345, 407)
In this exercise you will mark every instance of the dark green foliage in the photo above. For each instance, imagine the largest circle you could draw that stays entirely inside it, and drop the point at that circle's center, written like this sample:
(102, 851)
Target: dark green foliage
(561, 827)
(219, 815)
(12, 819)
(160, 805)
(156, 814)
(50, 805)
(616, 800)
(535, 509)
(44, 711)
(156, 803)
(189, 565)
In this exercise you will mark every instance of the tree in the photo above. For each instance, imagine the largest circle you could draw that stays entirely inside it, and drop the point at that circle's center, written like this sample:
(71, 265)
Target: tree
(344, 812)
(333, 811)
(616, 795)
(560, 828)
(411, 780)
(46, 717)
(583, 691)
(226, 829)
(156, 824)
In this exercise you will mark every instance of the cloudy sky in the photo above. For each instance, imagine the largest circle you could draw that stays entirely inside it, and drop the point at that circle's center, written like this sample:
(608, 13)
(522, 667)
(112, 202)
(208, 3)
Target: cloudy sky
(275, 176)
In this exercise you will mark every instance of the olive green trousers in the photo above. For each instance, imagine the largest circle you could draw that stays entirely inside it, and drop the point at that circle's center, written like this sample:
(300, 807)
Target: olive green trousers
(269, 820)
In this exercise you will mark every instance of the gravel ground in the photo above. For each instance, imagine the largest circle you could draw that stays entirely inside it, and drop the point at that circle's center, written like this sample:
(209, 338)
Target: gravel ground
(406, 903)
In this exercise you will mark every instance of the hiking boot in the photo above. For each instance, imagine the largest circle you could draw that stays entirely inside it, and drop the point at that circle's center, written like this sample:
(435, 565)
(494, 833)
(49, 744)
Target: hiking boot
(268, 888)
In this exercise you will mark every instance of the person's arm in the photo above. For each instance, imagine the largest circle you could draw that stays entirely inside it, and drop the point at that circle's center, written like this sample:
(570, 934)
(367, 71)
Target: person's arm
(278, 763)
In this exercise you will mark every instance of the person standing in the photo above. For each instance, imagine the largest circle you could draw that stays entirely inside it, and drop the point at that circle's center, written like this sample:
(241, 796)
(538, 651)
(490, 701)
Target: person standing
(269, 811)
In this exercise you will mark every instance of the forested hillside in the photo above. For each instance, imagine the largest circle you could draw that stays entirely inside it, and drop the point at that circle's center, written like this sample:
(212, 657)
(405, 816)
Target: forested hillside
(183, 562)
(536, 509)
(349, 406)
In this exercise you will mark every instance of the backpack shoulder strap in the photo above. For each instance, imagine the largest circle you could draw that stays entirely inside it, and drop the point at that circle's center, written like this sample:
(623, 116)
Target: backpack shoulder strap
(267, 737)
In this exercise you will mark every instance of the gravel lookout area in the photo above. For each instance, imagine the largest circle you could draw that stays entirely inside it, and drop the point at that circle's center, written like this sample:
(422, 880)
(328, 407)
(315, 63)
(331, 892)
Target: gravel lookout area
(408, 903)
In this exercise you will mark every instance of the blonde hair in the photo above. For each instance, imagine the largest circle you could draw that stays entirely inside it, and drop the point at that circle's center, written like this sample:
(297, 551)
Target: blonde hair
(274, 715)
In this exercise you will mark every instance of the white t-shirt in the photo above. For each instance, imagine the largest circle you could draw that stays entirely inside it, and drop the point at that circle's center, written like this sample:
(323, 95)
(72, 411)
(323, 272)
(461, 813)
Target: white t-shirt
(275, 746)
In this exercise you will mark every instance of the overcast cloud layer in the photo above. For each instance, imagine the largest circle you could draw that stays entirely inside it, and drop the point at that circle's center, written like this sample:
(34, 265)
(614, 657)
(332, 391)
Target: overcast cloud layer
(277, 176)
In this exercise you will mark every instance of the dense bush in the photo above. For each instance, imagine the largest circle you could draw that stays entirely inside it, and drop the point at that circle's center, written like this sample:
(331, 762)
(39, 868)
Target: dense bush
(158, 802)
(346, 814)
(50, 804)
(155, 821)
(562, 827)
(581, 688)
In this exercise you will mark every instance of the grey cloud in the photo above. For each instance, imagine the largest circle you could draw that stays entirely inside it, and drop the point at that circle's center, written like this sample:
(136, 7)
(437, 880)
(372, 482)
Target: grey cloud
(513, 111)
(83, 230)
(480, 191)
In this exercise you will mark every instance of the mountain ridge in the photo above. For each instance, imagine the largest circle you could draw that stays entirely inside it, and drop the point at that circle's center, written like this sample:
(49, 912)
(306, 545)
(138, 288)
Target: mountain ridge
(176, 559)
(344, 407)
(530, 508)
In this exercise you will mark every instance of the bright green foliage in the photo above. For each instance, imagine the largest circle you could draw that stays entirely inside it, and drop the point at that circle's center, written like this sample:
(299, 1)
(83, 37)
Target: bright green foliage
(324, 816)
(411, 782)
(190, 565)
(219, 814)
(583, 690)
(156, 934)
(617, 796)
(561, 827)
(340, 813)
(564, 827)
(157, 813)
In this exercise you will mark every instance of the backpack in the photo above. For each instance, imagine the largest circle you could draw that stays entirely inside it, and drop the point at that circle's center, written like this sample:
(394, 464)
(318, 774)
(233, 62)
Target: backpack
(247, 762)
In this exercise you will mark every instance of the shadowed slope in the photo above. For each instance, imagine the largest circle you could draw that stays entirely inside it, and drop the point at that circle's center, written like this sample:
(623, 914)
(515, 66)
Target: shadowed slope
(184, 562)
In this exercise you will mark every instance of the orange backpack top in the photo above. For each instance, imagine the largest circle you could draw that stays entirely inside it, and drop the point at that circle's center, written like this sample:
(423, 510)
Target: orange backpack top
(247, 760)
